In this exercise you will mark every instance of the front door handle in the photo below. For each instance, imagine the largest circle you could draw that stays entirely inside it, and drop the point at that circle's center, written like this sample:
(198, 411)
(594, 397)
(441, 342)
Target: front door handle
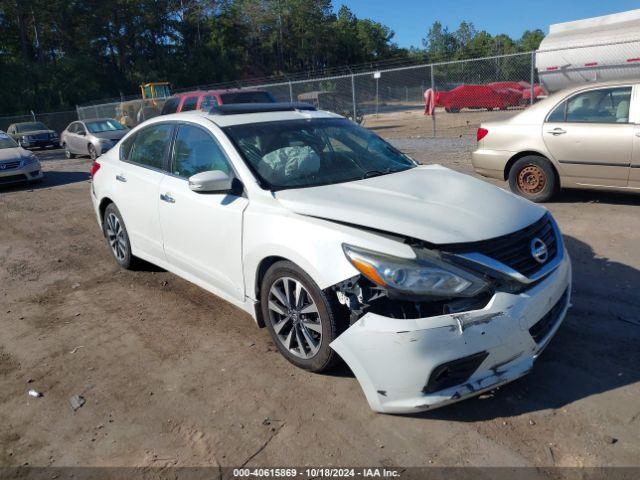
(165, 197)
(557, 131)
(121, 178)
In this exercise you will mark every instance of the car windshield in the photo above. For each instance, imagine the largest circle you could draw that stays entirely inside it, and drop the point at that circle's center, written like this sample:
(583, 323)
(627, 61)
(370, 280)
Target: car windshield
(30, 127)
(6, 141)
(106, 125)
(308, 153)
(247, 97)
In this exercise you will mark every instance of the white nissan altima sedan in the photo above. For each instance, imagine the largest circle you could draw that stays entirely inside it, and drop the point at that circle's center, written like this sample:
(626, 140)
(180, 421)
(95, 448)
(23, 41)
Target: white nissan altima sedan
(431, 285)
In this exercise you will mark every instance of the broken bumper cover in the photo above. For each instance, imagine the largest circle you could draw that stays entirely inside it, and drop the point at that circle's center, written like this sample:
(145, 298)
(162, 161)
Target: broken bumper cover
(394, 359)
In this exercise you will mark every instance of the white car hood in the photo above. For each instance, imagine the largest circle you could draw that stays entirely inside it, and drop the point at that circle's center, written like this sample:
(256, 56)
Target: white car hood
(11, 154)
(430, 203)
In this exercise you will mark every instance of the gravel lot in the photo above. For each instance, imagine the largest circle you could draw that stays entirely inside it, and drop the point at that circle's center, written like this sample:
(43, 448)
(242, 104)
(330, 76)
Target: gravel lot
(174, 376)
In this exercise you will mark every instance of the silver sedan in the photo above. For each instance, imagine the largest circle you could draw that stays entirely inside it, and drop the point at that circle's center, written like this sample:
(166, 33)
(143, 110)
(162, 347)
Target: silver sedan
(91, 137)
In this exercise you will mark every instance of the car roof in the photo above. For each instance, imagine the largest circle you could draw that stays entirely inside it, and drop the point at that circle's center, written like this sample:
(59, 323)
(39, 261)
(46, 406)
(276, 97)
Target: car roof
(226, 120)
(218, 92)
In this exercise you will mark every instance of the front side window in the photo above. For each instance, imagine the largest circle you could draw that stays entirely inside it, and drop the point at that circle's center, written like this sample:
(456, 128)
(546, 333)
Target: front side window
(608, 105)
(189, 104)
(307, 153)
(196, 151)
(170, 106)
(149, 146)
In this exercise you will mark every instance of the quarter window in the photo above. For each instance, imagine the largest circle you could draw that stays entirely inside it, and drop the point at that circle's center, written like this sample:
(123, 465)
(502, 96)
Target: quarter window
(196, 151)
(148, 147)
(608, 105)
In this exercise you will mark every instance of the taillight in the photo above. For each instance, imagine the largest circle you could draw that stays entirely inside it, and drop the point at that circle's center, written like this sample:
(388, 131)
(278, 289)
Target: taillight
(481, 133)
(95, 166)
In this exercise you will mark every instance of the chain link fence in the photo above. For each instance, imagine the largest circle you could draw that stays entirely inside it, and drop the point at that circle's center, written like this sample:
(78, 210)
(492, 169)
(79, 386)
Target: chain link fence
(466, 92)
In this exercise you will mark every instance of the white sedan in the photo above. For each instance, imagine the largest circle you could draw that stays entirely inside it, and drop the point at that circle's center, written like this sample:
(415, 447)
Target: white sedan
(17, 164)
(431, 285)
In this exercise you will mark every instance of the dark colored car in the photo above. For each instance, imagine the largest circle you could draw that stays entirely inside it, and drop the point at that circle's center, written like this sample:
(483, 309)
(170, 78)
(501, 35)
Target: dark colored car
(33, 135)
(204, 100)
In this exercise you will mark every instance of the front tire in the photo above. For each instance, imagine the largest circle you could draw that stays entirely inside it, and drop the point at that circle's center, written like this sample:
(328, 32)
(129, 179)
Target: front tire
(117, 237)
(67, 152)
(301, 318)
(533, 178)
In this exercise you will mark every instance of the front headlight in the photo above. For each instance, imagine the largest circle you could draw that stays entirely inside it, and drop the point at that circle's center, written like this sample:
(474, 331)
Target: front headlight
(426, 275)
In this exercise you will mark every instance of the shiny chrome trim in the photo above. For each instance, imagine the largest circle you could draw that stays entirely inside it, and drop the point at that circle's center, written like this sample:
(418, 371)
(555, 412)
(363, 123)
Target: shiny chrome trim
(500, 267)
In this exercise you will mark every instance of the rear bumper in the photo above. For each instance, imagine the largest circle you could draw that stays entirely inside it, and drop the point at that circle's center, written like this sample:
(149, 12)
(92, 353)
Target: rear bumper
(28, 173)
(395, 360)
(490, 163)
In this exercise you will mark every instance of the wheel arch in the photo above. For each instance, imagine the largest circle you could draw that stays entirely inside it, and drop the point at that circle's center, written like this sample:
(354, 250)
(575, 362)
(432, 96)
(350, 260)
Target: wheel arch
(526, 153)
(104, 203)
(261, 270)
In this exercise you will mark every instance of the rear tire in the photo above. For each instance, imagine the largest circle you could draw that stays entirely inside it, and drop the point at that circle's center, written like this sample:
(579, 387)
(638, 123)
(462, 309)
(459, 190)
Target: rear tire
(117, 237)
(534, 178)
(301, 318)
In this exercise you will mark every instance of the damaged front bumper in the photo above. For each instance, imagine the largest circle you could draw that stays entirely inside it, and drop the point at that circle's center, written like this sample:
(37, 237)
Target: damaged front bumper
(413, 365)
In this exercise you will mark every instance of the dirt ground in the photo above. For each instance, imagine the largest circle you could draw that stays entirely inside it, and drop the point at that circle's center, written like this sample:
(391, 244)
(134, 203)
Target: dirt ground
(174, 376)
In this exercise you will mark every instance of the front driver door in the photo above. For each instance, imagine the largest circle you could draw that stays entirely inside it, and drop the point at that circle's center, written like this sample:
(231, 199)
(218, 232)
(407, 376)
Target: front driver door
(202, 232)
(589, 134)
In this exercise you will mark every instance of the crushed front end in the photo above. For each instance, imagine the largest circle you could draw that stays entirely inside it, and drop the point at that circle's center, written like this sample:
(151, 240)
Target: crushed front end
(415, 354)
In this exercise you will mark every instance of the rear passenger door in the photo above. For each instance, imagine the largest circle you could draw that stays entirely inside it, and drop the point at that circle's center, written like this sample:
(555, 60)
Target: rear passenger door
(202, 232)
(142, 165)
(590, 135)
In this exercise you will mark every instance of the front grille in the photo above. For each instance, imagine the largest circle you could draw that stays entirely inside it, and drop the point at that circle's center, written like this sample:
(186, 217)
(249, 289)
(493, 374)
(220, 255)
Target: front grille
(542, 327)
(12, 179)
(41, 136)
(514, 249)
(9, 165)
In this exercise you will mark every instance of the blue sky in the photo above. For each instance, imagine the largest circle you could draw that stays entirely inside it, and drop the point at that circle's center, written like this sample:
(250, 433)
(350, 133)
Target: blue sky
(410, 19)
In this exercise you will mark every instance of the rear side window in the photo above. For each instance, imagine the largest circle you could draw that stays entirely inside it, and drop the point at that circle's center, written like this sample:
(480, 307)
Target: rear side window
(208, 102)
(607, 105)
(189, 104)
(170, 106)
(196, 151)
(148, 147)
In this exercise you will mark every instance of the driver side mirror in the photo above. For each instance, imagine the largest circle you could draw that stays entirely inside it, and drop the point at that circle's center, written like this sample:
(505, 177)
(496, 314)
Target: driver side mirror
(82, 132)
(213, 181)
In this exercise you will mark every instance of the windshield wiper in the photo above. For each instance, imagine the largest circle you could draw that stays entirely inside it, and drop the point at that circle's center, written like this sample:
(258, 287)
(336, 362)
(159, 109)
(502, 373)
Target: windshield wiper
(377, 173)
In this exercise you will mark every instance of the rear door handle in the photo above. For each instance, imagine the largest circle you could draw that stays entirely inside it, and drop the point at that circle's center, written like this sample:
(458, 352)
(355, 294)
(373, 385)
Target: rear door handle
(165, 197)
(557, 131)
(121, 178)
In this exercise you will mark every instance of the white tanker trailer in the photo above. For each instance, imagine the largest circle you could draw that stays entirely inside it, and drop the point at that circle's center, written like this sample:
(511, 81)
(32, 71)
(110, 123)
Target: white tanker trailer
(595, 49)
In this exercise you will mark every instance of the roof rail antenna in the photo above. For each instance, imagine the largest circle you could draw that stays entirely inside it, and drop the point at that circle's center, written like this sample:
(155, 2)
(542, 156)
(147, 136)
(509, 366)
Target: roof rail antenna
(240, 108)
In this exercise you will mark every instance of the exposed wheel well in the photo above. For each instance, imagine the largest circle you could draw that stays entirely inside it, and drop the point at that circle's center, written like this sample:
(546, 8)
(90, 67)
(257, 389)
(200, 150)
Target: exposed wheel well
(518, 156)
(262, 270)
(104, 203)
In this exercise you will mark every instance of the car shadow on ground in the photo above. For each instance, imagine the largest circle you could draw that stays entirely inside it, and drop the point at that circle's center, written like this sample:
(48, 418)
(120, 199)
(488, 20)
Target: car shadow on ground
(595, 349)
(596, 196)
(50, 179)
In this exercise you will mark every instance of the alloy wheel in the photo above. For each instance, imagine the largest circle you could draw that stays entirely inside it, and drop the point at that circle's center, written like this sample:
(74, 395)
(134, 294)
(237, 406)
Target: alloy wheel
(115, 236)
(295, 317)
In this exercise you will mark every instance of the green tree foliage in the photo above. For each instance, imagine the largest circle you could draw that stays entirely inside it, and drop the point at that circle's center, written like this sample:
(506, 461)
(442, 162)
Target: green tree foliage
(55, 54)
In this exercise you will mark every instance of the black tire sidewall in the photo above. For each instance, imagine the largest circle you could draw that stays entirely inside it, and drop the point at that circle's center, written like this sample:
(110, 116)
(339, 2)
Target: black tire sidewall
(326, 357)
(551, 184)
(128, 258)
